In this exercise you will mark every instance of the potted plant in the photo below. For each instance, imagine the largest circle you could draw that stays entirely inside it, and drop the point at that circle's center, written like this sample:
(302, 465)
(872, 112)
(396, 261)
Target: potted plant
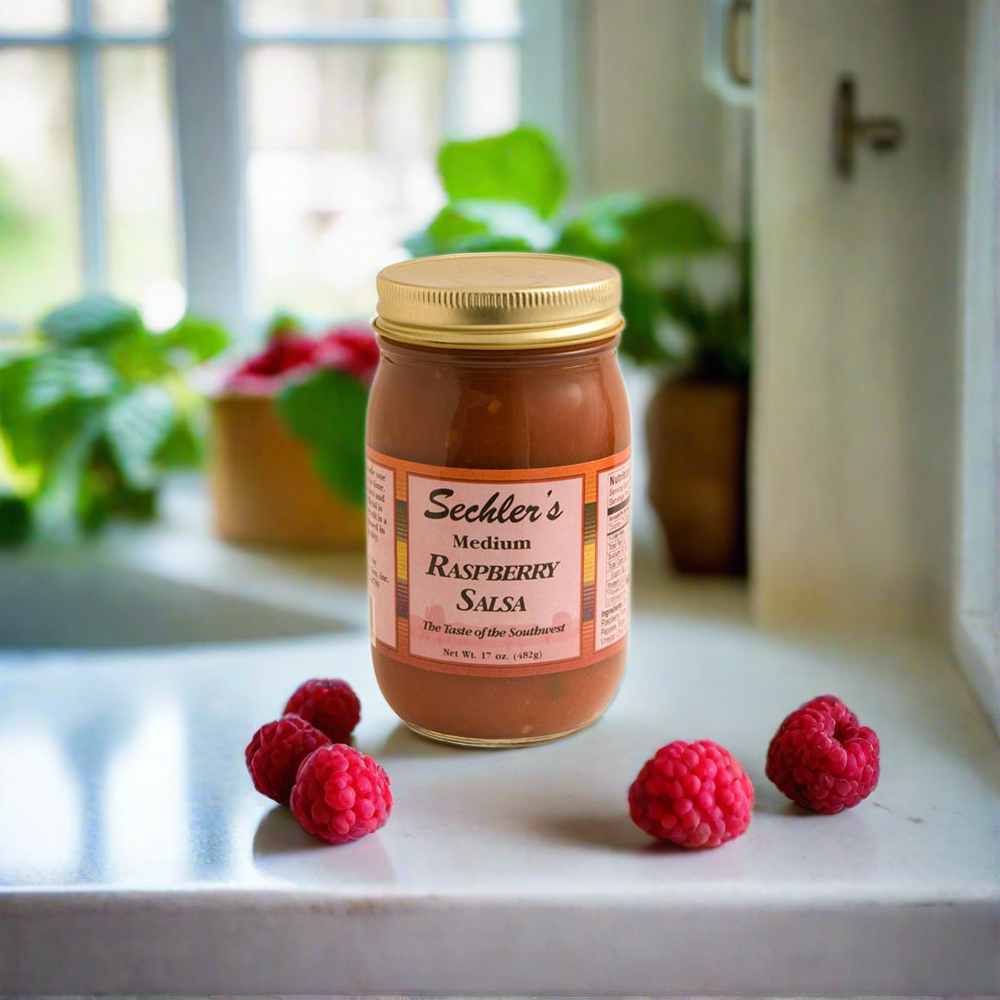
(696, 422)
(287, 440)
(95, 411)
(686, 301)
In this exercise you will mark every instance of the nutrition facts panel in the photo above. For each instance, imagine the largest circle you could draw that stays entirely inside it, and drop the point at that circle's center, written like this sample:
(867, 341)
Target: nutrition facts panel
(614, 494)
(381, 525)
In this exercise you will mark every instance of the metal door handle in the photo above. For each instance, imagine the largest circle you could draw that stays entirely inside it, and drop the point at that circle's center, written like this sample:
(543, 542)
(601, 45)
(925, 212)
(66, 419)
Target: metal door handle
(881, 133)
(739, 11)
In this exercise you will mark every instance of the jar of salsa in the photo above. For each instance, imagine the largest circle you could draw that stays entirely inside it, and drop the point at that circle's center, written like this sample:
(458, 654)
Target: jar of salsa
(498, 496)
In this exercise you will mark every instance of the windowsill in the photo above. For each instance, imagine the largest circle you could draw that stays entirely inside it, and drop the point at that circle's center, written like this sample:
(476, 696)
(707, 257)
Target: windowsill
(976, 649)
(514, 872)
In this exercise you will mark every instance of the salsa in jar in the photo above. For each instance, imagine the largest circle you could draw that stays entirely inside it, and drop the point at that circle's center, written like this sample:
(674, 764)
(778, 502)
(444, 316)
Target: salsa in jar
(498, 496)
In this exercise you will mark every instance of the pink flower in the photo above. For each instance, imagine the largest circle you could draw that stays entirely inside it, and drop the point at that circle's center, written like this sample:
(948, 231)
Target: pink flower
(349, 349)
(291, 354)
(269, 369)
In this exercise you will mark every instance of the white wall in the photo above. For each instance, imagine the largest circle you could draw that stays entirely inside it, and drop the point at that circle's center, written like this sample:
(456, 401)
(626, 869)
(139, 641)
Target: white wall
(652, 125)
(857, 313)
(853, 444)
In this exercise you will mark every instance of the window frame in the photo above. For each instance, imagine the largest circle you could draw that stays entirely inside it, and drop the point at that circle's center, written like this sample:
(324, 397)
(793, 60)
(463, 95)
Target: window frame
(976, 599)
(205, 43)
(83, 41)
(210, 94)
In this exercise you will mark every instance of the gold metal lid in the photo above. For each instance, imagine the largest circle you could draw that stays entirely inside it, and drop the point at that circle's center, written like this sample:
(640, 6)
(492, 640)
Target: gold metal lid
(498, 300)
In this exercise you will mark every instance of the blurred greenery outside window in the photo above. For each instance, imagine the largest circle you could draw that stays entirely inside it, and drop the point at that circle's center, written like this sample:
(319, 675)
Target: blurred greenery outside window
(281, 173)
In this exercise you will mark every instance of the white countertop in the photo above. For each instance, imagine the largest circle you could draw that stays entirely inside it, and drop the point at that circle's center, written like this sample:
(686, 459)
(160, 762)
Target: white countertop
(136, 857)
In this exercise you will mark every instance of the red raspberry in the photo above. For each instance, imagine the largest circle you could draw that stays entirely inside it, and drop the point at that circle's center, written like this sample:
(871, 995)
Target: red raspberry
(341, 794)
(832, 704)
(330, 705)
(692, 794)
(822, 758)
(275, 752)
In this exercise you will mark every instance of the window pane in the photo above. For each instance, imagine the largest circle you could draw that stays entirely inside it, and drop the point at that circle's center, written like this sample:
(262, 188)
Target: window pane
(486, 91)
(342, 147)
(139, 170)
(34, 17)
(40, 261)
(130, 15)
(272, 15)
(489, 15)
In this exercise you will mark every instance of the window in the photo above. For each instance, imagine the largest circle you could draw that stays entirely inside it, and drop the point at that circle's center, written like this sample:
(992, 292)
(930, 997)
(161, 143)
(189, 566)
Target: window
(87, 180)
(248, 155)
(341, 134)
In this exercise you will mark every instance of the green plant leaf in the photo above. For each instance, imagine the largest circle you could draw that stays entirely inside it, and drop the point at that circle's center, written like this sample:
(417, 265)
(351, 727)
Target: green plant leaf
(137, 356)
(674, 227)
(643, 240)
(522, 166)
(58, 500)
(718, 336)
(92, 321)
(136, 426)
(281, 324)
(58, 377)
(327, 412)
(599, 229)
(478, 241)
(422, 245)
(104, 492)
(641, 309)
(654, 244)
(449, 229)
(141, 356)
(478, 226)
(181, 448)
(192, 341)
(43, 400)
(90, 422)
(15, 520)
(15, 376)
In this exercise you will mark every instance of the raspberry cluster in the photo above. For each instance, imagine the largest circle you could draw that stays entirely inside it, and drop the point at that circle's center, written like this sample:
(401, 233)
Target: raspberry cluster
(303, 760)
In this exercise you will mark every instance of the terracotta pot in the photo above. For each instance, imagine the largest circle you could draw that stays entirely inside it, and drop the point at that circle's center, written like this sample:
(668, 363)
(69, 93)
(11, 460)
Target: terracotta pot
(696, 434)
(264, 488)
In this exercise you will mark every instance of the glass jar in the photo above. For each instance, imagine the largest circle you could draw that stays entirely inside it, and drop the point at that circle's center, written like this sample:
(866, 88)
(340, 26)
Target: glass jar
(498, 496)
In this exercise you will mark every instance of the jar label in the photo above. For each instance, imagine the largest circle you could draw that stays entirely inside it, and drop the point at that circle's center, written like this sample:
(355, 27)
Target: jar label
(498, 573)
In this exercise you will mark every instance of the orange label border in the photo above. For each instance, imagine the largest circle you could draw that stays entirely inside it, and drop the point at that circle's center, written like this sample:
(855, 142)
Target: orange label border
(403, 468)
